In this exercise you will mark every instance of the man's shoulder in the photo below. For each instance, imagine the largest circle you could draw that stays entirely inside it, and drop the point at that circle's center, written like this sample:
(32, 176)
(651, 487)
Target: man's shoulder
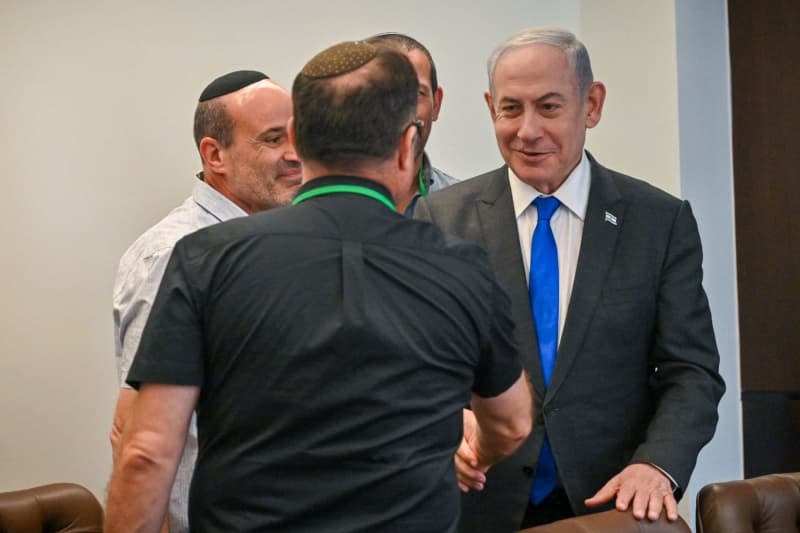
(441, 179)
(159, 238)
(439, 241)
(209, 239)
(145, 259)
(465, 190)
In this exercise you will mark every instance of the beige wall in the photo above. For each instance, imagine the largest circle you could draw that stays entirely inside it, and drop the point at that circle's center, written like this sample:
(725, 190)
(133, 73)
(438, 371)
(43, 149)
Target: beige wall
(633, 52)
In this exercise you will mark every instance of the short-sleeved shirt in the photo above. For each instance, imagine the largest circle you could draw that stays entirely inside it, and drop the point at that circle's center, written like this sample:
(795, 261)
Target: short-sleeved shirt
(138, 277)
(335, 344)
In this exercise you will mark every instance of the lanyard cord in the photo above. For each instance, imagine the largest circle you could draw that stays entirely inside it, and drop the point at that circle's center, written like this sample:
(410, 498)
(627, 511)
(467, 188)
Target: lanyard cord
(423, 187)
(337, 189)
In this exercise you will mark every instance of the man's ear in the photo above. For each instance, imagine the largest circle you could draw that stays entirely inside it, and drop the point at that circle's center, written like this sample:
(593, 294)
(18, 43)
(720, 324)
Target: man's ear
(212, 153)
(595, 97)
(438, 96)
(407, 152)
(490, 103)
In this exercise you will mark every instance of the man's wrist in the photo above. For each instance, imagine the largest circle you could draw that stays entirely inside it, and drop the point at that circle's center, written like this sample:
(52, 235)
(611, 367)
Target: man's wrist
(672, 482)
(676, 489)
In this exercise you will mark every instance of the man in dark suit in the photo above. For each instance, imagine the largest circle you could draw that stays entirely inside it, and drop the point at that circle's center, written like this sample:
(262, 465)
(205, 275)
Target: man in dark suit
(613, 324)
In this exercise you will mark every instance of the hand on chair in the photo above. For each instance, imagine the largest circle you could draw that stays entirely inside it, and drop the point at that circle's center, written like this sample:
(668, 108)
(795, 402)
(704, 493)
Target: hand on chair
(642, 485)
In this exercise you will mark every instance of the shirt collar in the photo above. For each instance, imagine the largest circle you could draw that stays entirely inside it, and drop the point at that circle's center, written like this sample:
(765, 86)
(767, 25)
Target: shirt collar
(214, 202)
(573, 193)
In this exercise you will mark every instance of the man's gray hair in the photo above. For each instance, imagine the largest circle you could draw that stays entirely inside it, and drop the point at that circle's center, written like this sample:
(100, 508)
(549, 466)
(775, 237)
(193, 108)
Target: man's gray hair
(576, 53)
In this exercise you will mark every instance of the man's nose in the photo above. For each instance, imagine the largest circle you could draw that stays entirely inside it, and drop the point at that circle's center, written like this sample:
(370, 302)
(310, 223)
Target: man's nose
(290, 154)
(530, 127)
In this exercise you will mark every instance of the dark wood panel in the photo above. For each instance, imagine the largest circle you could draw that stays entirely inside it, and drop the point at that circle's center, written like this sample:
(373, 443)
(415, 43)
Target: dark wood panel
(772, 433)
(765, 85)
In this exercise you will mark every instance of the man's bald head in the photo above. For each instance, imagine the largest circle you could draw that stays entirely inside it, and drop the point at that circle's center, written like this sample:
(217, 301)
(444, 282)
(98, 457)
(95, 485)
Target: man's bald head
(352, 103)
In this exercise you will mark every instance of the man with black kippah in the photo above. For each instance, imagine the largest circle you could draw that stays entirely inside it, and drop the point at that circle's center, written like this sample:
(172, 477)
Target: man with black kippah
(327, 348)
(248, 166)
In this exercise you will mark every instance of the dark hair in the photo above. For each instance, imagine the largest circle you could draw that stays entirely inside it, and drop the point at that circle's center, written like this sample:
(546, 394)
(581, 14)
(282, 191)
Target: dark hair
(404, 42)
(346, 119)
(211, 119)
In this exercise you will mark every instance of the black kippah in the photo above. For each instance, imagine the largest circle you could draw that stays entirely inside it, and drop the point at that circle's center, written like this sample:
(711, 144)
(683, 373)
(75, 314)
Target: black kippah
(231, 82)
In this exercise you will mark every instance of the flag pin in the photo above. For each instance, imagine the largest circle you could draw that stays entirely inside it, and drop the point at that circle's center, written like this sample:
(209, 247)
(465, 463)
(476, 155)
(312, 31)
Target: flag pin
(611, 218)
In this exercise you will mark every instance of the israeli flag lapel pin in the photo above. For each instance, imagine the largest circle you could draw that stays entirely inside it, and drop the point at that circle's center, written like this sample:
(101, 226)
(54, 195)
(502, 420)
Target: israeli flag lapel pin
(611, 219)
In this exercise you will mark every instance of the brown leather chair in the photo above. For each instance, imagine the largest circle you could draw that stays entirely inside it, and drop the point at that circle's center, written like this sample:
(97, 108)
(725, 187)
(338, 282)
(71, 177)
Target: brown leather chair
(59, 507)
(612, 521)
(759, 505)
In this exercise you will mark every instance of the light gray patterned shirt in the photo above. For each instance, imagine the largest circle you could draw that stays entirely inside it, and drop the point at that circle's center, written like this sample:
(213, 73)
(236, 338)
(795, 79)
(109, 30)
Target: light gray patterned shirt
(435, 180)
(138, 278)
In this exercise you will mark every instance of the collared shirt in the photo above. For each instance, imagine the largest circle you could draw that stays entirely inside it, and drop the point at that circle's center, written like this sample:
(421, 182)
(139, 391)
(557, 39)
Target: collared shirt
(566, 223)
(336, 343)
(142, 265)
(139, 275)
(434, 179)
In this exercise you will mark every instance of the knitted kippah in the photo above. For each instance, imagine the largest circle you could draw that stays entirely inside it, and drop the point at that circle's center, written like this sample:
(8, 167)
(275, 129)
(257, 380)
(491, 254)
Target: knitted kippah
(340, 59)
(231, 82)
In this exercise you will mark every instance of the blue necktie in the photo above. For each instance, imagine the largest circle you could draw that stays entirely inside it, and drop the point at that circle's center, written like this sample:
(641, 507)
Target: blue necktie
(543, 290)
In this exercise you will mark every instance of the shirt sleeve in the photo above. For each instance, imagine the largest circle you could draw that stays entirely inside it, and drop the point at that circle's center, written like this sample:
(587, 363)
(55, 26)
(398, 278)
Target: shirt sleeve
(171, 347)
(135, 288)
(499, 366)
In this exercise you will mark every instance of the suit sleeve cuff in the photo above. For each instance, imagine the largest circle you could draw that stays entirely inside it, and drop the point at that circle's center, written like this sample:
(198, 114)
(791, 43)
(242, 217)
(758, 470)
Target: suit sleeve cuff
(675, 486)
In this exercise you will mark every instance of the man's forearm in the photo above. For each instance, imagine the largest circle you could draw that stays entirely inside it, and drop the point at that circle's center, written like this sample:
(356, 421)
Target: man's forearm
(122, 413)
(139, 493)
(504, 422)
(144, 471)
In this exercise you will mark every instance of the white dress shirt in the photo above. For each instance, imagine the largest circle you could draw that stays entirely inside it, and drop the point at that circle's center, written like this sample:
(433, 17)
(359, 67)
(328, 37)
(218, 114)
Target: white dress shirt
(566, 223)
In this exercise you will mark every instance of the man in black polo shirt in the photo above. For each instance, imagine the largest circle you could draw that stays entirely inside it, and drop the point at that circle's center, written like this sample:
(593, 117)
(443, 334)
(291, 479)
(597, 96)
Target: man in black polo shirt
(328, 348)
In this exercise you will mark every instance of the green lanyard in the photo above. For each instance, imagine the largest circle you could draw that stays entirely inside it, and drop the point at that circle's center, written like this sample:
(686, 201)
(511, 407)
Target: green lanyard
(423, 187)
(354, 189)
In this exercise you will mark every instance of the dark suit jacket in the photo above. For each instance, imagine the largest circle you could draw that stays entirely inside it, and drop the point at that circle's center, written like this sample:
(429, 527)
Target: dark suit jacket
(636, 376)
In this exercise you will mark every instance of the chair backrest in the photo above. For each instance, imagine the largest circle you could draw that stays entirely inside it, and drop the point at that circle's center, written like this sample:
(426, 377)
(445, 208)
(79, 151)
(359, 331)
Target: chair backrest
(612, 521)
(760, 504)
(59, 507)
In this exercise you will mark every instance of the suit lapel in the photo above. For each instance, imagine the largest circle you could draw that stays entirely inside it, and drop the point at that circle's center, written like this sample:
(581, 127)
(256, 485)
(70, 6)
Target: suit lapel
(501, 239)
(598, 242)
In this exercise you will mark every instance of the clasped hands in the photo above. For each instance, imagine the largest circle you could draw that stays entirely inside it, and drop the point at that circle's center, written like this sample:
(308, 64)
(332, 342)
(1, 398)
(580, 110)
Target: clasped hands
(639, 486)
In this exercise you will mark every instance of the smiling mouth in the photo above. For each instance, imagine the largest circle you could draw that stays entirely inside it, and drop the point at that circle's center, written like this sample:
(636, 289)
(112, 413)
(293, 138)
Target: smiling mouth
(291, 174)
(534, 155)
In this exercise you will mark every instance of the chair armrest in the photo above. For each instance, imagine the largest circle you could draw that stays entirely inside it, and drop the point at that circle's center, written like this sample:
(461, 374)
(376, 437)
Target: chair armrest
(62, 507)
(612, 521)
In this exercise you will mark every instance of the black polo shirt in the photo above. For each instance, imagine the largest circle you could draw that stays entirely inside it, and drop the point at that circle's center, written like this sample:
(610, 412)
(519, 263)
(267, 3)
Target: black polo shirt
(335, 343)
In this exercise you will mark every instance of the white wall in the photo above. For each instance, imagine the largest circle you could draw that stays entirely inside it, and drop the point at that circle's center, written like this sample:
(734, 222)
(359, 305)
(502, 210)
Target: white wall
(95, 146)
(632, 46)
(707, 181)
